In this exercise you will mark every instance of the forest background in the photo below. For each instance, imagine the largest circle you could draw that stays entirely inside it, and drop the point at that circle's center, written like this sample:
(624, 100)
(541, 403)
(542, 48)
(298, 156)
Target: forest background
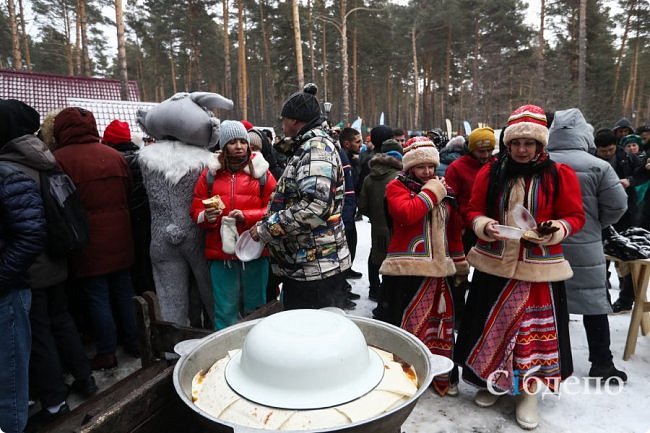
(418, 62)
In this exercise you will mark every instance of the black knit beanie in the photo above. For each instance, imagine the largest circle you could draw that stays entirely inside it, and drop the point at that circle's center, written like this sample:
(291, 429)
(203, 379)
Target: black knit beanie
(302, 105)
(379, 134)
(16, 119)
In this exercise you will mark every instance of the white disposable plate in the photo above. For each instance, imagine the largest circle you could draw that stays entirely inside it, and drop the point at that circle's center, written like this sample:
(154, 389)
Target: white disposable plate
(248, 249)
(510, 232)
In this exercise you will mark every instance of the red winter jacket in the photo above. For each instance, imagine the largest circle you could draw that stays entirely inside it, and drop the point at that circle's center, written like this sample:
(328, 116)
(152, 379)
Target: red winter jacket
(238, 190)
(425, 238)
(101, 176)
(460, 176)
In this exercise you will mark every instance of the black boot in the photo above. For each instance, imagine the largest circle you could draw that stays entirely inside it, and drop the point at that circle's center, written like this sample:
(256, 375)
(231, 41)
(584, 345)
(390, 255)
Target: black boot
(41, 419)
(607, 372)
(622, 305)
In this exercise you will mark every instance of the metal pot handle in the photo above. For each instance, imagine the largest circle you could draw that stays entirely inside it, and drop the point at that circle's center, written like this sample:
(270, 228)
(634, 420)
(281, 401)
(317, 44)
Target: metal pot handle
(184, 347)
(443, 364)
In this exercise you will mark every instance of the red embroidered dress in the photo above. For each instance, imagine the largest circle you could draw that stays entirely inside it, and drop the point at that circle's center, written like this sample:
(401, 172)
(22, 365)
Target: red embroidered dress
(520, 335)
(425, 242)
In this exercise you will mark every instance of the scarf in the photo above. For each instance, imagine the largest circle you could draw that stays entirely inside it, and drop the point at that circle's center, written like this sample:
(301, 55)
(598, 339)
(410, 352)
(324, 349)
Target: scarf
(504, 172)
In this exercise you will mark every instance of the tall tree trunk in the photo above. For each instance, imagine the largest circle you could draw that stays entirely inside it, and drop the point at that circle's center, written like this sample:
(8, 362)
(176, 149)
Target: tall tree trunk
(172, 66)
(416, 80)
(243, 77)
(582, 53)
(121, 51)
(83, 23)
(77, 47)
(68, 36)
(475, 70)
(325, 94)
(312, 43)
(140, 74)
(15, 41)
(344, 62)
(541, 58)
(196, 78)
(297, 40)
(268, 62)
(629, 104)
(226, 51)
(621, 51)
(445, 77)
(355, 84)
(28, 57)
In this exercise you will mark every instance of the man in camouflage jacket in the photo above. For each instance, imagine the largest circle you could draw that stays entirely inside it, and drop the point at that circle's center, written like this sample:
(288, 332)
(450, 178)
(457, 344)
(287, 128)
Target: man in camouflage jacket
(303, 229)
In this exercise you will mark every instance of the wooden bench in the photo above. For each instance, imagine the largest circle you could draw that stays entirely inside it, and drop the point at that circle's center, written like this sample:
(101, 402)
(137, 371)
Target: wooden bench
(640, 270)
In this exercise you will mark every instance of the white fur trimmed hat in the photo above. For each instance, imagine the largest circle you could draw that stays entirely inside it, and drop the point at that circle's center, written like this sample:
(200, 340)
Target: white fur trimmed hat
(527, 121)
(420, 150)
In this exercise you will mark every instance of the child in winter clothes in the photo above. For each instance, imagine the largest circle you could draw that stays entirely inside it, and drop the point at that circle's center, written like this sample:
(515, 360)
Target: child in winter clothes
(244, 183)
(425, 248)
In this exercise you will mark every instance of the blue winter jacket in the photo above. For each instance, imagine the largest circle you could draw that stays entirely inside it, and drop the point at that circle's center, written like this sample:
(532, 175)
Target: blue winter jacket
(350, 200)
(22, 227)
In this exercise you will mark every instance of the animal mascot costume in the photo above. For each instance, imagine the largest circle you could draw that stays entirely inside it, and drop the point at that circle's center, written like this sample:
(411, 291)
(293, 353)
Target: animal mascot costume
(184, 130)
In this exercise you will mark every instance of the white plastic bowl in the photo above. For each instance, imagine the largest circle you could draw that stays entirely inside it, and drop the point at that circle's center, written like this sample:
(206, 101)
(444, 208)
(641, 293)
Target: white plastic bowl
(248, 249)
(510, 232)
(304, 359)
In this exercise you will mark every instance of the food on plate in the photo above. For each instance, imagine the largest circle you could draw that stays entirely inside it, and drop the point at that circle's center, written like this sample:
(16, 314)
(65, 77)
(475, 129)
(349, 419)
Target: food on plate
(211, 393)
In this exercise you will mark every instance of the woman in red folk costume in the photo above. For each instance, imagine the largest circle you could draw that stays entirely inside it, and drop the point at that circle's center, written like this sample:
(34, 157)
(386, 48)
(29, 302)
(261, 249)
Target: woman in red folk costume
(515, 334)
(425, 248)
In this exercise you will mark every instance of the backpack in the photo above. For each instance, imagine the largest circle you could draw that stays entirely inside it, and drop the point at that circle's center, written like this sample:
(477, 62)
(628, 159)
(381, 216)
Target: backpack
(67, 227)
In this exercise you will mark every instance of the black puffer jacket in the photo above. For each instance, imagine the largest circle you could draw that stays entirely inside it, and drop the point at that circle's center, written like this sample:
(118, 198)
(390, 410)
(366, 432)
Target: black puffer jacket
(22, 227)
(138, 201)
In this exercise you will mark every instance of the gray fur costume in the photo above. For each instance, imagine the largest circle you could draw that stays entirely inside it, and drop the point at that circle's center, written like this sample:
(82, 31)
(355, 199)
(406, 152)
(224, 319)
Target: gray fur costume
(170, 169)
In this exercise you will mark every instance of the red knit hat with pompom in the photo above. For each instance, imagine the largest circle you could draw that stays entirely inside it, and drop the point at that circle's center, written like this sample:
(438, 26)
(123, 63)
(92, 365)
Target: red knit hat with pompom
(527, 121)
(420, 150)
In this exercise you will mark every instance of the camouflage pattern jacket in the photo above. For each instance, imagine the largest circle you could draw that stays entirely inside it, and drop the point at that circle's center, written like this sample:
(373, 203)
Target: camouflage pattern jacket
(303, 228)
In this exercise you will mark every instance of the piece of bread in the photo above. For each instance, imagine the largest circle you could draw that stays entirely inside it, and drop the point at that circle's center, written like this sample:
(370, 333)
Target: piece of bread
(214, 202)
(532, 235)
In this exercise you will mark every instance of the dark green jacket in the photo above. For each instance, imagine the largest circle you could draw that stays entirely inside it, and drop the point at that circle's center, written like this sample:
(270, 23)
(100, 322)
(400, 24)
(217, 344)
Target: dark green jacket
(383, 169)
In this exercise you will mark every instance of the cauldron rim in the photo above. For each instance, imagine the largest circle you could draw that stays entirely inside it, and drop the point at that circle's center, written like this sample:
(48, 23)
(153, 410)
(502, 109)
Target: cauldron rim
(403, 409)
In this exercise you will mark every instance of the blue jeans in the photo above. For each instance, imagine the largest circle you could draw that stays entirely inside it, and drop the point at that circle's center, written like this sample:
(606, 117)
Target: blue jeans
(15, 344)
(100, 291)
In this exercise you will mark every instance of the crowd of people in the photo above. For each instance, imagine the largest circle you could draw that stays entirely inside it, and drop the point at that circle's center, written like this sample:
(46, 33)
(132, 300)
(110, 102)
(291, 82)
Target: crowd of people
(167, 216)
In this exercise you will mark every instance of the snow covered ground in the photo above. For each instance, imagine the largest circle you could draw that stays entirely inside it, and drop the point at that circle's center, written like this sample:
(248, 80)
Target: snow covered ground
(580, 405)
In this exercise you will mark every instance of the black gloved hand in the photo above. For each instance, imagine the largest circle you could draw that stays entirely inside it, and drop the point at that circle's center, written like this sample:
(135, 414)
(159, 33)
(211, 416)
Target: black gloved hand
(546, 228)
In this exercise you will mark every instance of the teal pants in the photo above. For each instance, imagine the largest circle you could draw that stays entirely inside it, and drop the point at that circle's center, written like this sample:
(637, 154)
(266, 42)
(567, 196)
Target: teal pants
(237, 287)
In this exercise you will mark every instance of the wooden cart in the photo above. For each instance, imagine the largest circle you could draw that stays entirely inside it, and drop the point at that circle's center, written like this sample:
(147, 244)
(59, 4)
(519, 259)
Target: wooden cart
(145, 401)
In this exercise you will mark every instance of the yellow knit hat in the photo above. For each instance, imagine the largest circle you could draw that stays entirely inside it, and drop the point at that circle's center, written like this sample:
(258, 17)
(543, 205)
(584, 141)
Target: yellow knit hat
(482, 138)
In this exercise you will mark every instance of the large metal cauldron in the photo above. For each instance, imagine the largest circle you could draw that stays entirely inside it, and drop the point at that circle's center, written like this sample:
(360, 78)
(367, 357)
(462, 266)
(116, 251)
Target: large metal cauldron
(379, 334)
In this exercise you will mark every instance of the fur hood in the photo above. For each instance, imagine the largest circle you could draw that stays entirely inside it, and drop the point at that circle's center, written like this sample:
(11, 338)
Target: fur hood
(47, 129)
(259, 165)
(173, 159)
(385, 160)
